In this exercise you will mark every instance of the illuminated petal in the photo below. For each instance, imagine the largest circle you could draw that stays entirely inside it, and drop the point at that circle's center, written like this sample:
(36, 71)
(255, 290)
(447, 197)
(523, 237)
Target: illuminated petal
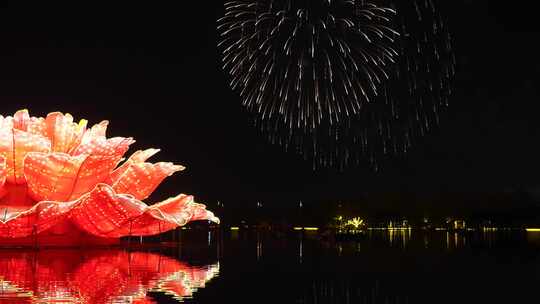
(3, 175)
(35, 125)
(65, 135)
(59, 130)
(169, 214)
(139, 156)
(78, 132)
(14, 145)
(62, 177)
(164, 216)
(6, 122)
(38, 126)
(96, 131)
(42, 216)
(3, 171)
(116, 146)
(199, 213)
(100, 129)
(21, 119)
(106, 214)
(103, 211)
(141, 179)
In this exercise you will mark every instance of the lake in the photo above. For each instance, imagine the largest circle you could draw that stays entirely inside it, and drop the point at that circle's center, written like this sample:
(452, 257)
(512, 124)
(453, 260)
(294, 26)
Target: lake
(386, 266)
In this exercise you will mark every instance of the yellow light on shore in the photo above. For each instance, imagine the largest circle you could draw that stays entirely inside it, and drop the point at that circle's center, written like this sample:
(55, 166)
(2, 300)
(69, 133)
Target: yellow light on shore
(532, 229)
(235, 228)
(306, 228)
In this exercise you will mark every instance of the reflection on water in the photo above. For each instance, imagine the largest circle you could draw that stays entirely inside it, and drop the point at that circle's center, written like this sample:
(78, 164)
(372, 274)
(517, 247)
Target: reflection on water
(377, 266)
(349, 291)
(380, 266)
(112, 276)
(442, 239)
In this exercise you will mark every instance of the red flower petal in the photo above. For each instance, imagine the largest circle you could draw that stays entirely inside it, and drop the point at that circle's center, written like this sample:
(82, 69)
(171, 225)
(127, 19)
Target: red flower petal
(116, 146)
(106, 214)
(97, 130)
(103, 211)
(141, 179)
(158, 218)
(138, 178)
(37, 126)
(42, 216)
(139, 156)
(6, 122)
(164, 216)
(62, 177)
(3, 171)
(65, 135)
(14, 145)
(21, 119)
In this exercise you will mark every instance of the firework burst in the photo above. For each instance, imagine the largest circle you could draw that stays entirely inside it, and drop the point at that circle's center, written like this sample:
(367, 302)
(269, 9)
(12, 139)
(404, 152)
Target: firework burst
(307, 62)
(382, 117)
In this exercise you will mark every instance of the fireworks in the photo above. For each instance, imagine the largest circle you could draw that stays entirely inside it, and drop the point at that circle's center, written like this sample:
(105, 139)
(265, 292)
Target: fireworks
(307, 62)
(367, 109)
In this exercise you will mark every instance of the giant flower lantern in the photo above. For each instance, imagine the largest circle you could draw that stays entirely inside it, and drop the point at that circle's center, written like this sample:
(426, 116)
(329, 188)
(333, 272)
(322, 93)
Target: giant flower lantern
(63, 183)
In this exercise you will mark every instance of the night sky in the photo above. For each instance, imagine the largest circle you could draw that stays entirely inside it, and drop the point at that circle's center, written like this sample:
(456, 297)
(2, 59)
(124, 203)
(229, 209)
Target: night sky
(153, 70)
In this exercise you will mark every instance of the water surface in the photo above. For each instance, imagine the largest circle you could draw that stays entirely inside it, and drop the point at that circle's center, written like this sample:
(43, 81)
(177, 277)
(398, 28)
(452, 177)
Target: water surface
(402, 266)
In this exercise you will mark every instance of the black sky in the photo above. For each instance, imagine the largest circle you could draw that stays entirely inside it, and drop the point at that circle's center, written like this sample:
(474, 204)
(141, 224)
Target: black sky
(153, 71)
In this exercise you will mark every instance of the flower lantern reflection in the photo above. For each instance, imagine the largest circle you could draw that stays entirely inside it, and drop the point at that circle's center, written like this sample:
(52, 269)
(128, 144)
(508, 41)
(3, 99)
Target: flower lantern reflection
(61, 182)
(96, 277)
